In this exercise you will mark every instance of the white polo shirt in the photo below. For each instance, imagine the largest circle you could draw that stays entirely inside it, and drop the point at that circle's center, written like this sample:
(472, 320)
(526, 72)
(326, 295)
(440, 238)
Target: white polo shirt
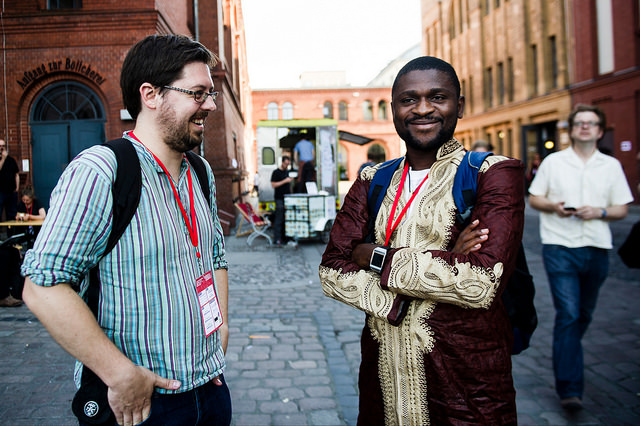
(600, 182)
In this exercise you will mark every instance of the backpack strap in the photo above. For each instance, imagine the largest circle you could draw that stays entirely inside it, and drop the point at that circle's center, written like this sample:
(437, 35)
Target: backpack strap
(465, 183)
(377, 189)
(126, 191)
(197, 163)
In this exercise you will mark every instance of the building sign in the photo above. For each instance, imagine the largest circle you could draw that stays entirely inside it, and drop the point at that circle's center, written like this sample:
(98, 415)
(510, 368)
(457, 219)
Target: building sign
(70, 65)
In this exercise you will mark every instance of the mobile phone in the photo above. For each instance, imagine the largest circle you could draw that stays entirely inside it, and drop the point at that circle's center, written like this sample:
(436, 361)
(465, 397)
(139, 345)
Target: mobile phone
(570, 209)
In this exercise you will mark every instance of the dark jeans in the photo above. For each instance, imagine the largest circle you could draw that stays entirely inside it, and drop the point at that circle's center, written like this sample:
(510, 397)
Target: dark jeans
(206, 405)
(9, 204)
(278, 222)
(575, 277)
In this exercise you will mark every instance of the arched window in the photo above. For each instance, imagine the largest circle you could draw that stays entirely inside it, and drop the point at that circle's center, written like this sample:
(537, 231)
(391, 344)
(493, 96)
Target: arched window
(67, 101)
(287, 111)
(367, 111)
(327, 110)
(343, 113)
(272, 111)
(382, 111)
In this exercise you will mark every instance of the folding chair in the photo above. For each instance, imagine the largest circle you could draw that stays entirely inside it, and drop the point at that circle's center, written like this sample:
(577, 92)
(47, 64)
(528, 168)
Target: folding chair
(259, 224)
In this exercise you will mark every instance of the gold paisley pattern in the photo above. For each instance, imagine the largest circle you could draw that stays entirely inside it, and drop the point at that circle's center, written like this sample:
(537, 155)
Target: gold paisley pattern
(416, 273)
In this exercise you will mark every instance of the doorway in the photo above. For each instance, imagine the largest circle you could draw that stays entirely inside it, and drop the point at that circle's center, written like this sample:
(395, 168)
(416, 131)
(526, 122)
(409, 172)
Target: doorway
(67, 118)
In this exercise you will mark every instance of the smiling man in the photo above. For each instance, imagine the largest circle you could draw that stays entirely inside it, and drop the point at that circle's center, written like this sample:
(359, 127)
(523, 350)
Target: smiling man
(437, 341)
(152, 344)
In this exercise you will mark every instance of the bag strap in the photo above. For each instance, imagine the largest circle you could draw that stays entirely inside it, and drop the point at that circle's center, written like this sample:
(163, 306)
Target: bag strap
(465, 183)
(199, 168)
(378, 188)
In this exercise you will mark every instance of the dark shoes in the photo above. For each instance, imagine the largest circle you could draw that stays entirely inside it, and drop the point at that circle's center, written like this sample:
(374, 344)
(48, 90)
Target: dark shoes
(573, 403)
(10, 302)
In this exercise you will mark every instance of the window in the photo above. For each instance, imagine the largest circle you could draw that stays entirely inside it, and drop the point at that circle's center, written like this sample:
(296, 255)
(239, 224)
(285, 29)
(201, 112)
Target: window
(327, 110)
(488, 96)
(287, 111)
(534, 68)
(510, 76)
(500, 83)
(65, 4)
(67, 101)
(268, 156)
(272, 111)
(343, 113)
(367, 111)
(554, 62)
(382, 111)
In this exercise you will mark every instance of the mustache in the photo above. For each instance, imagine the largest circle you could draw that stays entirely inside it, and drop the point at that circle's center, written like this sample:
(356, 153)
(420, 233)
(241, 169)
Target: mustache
(423, 118)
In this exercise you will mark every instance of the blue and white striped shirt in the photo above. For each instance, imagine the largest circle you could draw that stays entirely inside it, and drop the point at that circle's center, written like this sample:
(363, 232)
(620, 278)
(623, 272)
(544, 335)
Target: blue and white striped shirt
(148, 302)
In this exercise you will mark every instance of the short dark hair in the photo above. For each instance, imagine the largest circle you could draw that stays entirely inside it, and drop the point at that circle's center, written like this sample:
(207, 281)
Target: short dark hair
(602, 119)
(286, 157)
(428, 63)
(158, 60)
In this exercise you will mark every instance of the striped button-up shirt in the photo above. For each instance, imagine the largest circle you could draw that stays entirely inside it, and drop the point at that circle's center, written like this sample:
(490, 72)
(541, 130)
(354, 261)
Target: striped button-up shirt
(148, 302)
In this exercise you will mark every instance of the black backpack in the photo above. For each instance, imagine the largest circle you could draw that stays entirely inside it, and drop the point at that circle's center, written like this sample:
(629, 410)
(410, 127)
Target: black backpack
(90, 402)
(520, 291)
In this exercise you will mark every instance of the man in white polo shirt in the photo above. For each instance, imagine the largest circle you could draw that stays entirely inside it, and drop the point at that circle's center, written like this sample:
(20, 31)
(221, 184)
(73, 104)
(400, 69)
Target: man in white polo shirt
(577, 190)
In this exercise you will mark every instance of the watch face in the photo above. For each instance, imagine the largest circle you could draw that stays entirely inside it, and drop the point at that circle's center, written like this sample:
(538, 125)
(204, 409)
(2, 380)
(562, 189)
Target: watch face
(377, 258)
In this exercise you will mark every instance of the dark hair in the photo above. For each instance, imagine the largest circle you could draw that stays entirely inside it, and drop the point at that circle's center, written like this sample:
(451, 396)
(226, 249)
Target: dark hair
(588, 108)
(28, 191)
(428, 63)
(158, 60)
(286, 157)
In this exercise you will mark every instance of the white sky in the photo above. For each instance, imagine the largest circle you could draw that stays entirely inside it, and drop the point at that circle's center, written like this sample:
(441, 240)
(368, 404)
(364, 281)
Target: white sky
(287, 37)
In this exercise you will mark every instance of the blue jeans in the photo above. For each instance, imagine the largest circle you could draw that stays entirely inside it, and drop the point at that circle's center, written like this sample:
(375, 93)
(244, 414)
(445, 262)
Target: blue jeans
(205, 405)
(575, 277)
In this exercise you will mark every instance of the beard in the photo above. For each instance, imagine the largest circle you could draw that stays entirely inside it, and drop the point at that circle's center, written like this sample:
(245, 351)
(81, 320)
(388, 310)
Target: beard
(179, 136)
(419, 143)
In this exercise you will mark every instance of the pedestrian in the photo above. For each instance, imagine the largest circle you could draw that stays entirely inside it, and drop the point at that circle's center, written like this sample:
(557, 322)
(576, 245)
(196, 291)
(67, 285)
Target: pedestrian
(370, 162)
(281, 184)
(9, 182)
(578, 191)
(303, 151)
(436, 345)
(153, 345)
(481, 146)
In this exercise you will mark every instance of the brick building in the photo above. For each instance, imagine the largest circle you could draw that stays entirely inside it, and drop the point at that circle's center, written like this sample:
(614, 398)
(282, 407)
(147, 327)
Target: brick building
(60, 80)
(523, 64)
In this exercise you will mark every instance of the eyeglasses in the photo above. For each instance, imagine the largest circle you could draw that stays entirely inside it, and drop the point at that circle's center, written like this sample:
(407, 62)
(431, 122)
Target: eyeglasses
(586, 123)
(200, 96)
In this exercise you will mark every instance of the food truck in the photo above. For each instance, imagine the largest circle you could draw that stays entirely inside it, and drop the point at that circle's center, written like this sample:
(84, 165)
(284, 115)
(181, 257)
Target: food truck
(308, 214)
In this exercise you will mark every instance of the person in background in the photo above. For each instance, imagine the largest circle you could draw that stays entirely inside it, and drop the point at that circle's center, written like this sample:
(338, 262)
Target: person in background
(303, 151)
(436, 345)
(370, 162)
(281, 183)
(533, 169)
(578, 191)
(29, 208)
(9, 182)
(157, 345)
(481, 146)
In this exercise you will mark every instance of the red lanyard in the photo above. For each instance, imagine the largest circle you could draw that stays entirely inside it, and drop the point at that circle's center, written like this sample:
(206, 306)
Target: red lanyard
(391, 226)
(191, 226)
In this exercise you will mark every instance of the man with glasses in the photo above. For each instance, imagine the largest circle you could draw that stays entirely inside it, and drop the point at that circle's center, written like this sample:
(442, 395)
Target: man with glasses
(9, 183)
(577, 190)
(160, 339)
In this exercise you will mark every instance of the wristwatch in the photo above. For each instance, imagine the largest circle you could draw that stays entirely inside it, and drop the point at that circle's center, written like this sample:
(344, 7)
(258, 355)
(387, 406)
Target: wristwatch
(377, 258)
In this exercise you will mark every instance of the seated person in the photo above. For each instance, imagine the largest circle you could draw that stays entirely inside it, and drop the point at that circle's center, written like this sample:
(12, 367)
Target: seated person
(29, 208)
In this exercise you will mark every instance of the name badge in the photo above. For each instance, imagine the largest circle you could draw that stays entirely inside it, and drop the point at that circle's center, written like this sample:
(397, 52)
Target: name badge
(209, 305)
